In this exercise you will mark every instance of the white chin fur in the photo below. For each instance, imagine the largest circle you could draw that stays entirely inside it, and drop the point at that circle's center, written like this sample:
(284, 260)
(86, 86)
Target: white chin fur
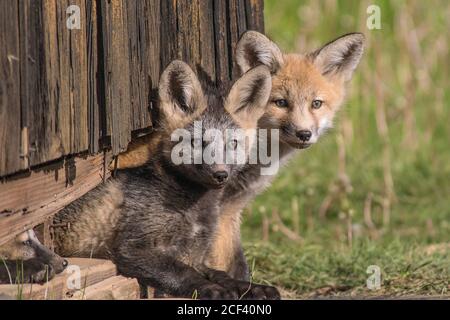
(324, 124)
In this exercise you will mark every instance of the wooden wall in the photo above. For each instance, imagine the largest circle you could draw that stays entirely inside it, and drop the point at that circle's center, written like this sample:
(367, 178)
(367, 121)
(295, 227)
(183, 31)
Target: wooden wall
(75, 98)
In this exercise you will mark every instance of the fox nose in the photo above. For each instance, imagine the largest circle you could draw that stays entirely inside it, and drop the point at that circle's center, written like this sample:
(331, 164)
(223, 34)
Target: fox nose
(304, 135)
(221, 176)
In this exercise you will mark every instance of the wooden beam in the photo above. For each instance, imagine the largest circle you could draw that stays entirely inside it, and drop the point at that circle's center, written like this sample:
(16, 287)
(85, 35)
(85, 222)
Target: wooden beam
(28, 199)
(114, 288)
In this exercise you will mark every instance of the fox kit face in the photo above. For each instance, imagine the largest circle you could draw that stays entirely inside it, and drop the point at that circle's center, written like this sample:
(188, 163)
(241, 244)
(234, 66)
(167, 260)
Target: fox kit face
(27, 246)
(207, 121)
(307, 90)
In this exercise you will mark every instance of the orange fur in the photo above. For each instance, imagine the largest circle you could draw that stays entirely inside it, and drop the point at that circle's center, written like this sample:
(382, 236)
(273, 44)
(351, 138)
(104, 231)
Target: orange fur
(138, 152)
(227, 237)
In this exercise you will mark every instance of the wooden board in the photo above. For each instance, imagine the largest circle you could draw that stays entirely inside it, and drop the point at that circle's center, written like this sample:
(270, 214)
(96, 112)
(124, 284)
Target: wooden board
(114, 288)
(11, 158)
(28, 200)
(143, 19)
(116, 68)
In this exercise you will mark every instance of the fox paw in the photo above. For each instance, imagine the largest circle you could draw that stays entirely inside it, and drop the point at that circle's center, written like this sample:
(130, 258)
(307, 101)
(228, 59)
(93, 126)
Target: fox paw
(252, 291)
(37, 272)
(216, 292)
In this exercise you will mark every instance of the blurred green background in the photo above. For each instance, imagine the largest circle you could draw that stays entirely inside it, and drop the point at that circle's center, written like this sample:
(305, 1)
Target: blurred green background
(376, 189)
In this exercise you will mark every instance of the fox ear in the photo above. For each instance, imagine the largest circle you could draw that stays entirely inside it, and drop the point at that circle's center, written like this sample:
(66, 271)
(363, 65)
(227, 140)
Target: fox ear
(341, 56)
(248, 97)
(180, 94)
(254, 48)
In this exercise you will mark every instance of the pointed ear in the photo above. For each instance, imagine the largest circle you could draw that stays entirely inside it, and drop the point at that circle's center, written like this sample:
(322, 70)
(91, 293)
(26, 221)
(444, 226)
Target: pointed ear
(248, 97)
(254, 48)
(341, 56)
(180, 95)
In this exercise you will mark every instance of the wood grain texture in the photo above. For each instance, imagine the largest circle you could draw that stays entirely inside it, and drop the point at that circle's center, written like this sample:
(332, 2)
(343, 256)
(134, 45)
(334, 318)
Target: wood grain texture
(95, 115)
(169, 33)
(116, 73)
(143, 26)
(255, 14)
(27, 200)
(11, 158)
(206, 34)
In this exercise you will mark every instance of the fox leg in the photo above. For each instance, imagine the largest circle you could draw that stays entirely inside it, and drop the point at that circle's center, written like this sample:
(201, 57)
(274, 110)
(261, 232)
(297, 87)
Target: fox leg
(238, 268)
(164, 272)
(246, 290)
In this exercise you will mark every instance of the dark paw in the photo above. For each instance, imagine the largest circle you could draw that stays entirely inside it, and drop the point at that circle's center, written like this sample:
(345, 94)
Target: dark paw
(216, 292)
(252, 291)
(36, 272)
(44, 275)
(262, 292)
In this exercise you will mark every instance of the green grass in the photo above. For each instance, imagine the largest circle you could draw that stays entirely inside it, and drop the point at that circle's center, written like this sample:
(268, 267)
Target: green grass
(411, 241)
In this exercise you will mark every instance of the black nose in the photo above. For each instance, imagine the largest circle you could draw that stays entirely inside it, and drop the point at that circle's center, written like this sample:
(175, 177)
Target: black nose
(304, 135)
(65, 263)
(221, 176)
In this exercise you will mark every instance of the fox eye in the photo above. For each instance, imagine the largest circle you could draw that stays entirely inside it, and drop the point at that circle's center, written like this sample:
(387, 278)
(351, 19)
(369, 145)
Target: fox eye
(281, 103)
(27, 243)
(233, 144)
(316, 104)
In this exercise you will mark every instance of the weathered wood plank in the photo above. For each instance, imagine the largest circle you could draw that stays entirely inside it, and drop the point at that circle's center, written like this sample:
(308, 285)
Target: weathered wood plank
(53, 80)
(77, 75)
(188, 41)
(238, 25)
(114, 288)
(27, 200)
(95, 116)
(141, 47)
(117, 73)
(221, 41)
(10, 113)
(154, 49)
(255, 15)
(169, 34)
(207, 47)
(234, 35)
(32, 86)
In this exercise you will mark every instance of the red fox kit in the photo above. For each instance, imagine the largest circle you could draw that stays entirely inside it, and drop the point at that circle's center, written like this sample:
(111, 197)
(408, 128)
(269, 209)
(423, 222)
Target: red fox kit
(307, 91)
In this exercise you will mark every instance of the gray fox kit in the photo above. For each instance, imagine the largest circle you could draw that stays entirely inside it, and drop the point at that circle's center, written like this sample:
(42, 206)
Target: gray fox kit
(157, 221)
(25, 260)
